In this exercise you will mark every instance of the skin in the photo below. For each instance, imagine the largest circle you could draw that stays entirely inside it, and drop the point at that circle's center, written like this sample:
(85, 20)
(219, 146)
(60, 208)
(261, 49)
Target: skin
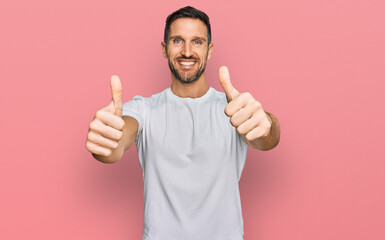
(185, 33)
(110, 134)
(259, 129)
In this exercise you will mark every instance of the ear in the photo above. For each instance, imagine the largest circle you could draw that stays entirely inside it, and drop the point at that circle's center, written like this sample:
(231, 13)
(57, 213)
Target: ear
(211, 46)
(164, 49)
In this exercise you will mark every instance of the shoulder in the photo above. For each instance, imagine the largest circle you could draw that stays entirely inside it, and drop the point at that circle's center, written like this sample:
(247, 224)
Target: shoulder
(219, 98)
(146, 100)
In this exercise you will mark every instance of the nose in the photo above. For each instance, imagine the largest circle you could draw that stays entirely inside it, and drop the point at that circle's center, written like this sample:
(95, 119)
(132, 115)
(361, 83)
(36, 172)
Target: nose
(186, 51)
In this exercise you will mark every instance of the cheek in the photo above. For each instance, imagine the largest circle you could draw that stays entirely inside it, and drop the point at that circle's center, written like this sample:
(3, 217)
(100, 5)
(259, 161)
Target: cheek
(173, 50)
(203, 54)
(172, 55)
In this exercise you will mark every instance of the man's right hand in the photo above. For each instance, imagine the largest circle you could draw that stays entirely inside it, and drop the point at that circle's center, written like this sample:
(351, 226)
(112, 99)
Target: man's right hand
(106, 129)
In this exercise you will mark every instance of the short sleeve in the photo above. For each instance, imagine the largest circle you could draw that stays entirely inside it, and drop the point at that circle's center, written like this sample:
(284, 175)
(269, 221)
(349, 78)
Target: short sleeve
(136, 108)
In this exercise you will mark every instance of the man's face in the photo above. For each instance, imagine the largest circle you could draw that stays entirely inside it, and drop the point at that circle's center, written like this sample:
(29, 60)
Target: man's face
(187, 49)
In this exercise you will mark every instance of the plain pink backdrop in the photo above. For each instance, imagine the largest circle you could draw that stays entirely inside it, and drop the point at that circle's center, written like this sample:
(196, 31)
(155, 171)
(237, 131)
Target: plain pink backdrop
(317, 65)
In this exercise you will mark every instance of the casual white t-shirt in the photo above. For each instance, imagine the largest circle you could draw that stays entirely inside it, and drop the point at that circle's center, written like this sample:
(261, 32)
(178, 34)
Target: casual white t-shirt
(192, 159)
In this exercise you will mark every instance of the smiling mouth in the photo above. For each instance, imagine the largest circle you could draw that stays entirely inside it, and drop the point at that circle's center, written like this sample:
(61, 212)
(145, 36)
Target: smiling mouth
(186, 63)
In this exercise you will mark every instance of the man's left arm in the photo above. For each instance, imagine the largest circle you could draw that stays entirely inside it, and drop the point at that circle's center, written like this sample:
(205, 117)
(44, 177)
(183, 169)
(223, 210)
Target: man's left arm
(270, 139)
(259, 129)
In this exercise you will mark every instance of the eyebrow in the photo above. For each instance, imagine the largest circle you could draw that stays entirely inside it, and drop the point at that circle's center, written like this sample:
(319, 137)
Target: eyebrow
(194, 38)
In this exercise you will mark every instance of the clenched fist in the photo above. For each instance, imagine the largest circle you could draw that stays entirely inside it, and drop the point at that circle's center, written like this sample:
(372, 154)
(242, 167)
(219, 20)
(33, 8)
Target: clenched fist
(246, 113)
(105, 130)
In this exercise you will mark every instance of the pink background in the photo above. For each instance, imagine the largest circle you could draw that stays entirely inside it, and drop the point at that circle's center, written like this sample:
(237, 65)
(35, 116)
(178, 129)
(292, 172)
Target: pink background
(317, 65)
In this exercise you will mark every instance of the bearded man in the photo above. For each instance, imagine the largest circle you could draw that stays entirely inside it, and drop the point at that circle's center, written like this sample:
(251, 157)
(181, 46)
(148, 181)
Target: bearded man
(191, 139)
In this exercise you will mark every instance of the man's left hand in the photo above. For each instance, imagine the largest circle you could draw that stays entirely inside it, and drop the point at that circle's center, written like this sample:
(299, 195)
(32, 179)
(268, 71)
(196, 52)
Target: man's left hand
(246, 113)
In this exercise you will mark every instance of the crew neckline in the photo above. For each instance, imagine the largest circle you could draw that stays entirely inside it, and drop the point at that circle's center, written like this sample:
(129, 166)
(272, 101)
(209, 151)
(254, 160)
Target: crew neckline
(201, 98)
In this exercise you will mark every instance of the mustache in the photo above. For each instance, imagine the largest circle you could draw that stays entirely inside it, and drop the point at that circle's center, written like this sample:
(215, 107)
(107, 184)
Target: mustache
(187, 58)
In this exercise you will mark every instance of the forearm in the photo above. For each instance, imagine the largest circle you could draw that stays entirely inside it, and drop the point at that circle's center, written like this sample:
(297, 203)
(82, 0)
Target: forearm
(271, 140)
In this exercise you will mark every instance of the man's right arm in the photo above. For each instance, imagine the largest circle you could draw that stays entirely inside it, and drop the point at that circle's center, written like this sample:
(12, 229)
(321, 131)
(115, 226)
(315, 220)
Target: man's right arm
(129, 133)
(110, 134)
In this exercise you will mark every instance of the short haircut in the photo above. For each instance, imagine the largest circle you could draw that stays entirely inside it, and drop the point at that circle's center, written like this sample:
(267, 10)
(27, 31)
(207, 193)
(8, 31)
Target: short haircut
(187, 12)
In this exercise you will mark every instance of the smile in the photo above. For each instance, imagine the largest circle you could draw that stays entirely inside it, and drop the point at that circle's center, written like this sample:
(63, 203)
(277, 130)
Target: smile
(187, 63)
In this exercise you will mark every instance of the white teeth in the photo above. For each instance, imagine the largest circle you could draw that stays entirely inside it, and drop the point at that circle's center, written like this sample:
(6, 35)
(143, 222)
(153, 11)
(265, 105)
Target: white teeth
(187, 63)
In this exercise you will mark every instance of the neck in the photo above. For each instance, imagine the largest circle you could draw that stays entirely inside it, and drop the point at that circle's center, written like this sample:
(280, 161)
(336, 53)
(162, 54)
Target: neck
(195, 89)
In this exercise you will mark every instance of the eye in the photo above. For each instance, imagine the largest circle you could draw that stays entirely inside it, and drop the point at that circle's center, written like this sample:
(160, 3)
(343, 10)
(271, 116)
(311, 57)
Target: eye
(197, 42)
(177, 41)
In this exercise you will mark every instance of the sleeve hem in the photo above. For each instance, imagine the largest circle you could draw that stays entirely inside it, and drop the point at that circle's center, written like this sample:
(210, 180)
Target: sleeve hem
(137, 118)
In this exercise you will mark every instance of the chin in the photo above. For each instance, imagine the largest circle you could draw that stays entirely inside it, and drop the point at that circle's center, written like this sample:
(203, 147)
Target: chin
(187, 78)
(187, 81)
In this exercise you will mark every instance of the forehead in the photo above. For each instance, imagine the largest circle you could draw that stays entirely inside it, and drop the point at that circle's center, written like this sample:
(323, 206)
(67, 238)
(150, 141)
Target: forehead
(188, 27)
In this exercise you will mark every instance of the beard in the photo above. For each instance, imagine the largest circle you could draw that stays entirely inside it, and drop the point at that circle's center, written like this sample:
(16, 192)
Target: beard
(190, 78)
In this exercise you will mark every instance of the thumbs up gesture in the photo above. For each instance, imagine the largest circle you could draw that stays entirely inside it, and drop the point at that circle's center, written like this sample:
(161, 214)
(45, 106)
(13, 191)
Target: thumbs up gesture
(246, 113)
(106, 129)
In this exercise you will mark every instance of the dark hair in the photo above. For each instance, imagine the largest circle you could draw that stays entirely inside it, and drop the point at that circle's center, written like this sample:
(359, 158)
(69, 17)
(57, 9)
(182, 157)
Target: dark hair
(187, 12)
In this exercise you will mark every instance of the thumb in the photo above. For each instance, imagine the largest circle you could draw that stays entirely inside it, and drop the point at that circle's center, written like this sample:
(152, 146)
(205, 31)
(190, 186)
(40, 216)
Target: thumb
(116, 90)
(224, 79)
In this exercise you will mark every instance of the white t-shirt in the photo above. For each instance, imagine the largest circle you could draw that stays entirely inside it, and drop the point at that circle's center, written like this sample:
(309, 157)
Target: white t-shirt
(192, 159)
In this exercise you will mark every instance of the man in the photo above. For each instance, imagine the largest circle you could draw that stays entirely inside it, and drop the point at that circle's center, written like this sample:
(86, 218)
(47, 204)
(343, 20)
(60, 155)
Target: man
(191, 139)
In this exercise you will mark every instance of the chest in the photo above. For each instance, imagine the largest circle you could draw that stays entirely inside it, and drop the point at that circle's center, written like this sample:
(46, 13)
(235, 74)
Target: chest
(188, 129)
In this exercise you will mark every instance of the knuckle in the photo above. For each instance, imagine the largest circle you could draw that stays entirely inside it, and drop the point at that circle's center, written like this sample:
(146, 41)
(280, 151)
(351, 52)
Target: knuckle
(93, 125)
(89, 147)
(103, 129)
(119, 135)
(254, 106)
(228, 111)
(268, 125)
(89, 135)
(107, 152)
(115, 145)
(267, 130)
(240, 130)
(264, 134)
(246, 95)
(121, 123)
(248, 138)
(233, 121)
(99, 113)
(98, 139)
